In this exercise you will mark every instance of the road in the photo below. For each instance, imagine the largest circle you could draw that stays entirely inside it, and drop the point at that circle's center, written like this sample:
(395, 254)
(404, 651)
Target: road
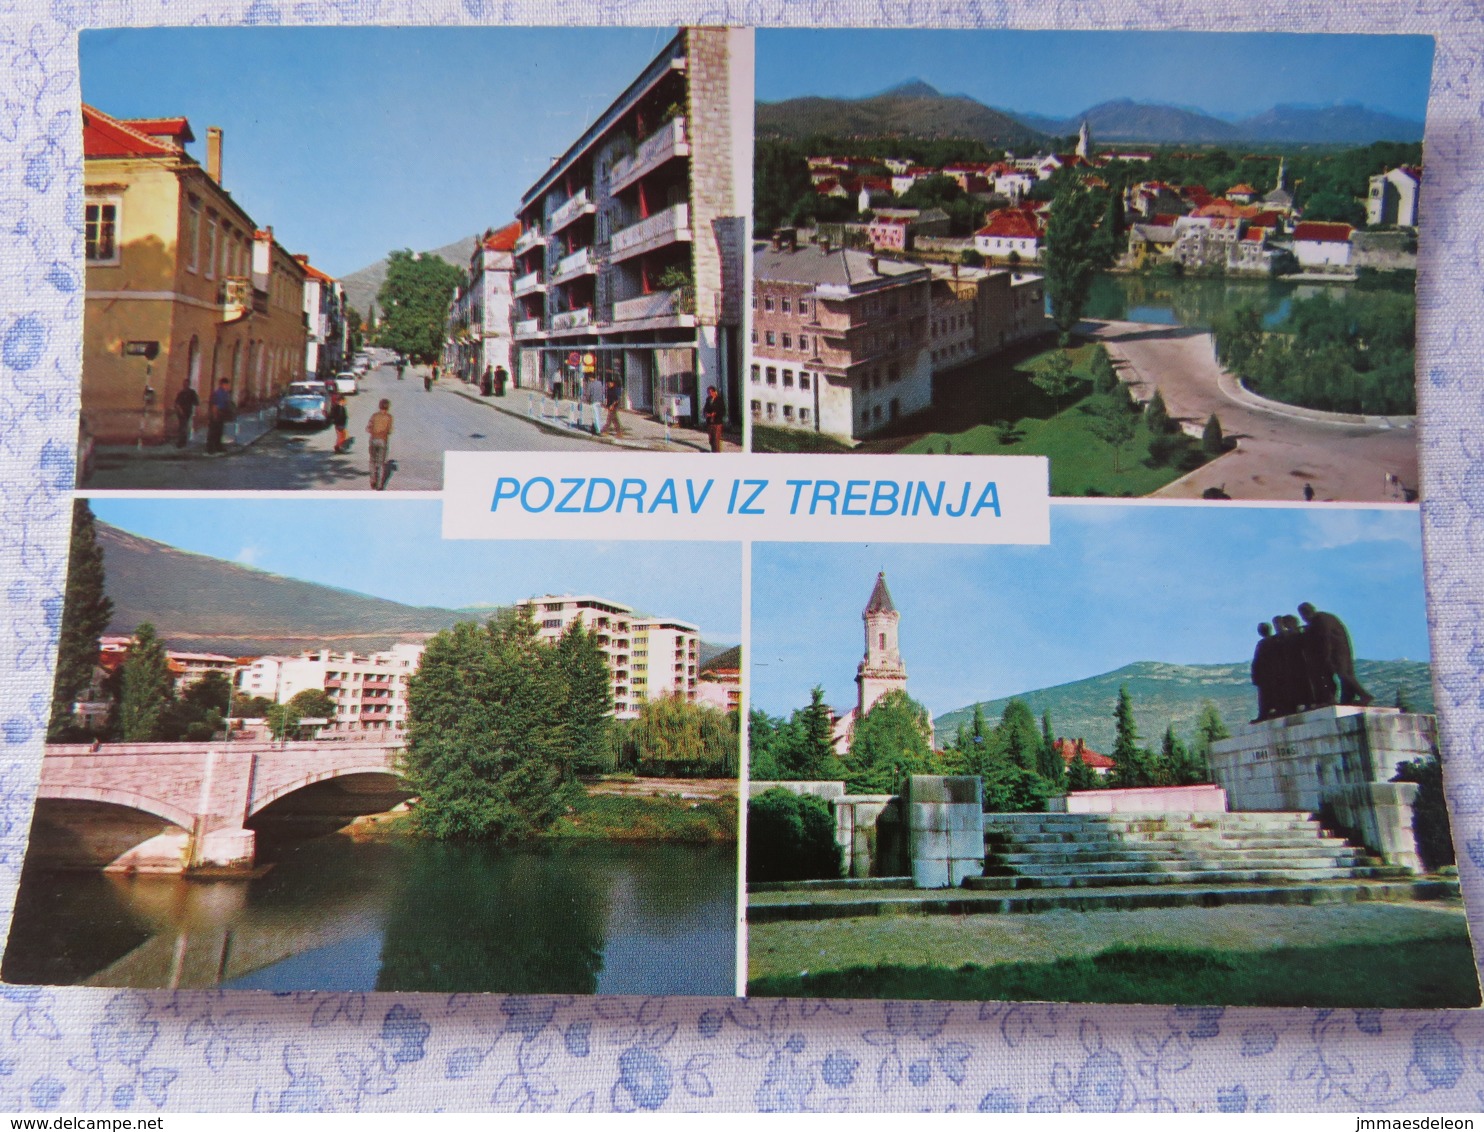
(1277, 453)
(427, 425)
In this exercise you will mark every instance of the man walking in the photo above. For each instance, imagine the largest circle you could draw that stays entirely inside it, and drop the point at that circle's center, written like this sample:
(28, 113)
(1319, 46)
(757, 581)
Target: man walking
(185, 411)
(218, 413)
(715, 417)
(380, 428)
(340, 418)
(611, 402)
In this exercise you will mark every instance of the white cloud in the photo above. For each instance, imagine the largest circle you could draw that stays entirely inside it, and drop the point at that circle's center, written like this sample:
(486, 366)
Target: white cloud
(249, 555)
(1330, 529)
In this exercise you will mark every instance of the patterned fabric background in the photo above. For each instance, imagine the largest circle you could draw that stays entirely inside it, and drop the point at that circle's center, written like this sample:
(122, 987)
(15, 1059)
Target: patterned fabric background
(89, 1049)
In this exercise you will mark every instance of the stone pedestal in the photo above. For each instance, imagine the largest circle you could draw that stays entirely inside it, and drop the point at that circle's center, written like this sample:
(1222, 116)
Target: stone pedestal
(944, 819)
(1336, 758)
(867, 829)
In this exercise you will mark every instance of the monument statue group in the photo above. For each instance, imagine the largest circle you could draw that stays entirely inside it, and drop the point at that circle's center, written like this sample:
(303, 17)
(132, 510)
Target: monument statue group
(1299, 667)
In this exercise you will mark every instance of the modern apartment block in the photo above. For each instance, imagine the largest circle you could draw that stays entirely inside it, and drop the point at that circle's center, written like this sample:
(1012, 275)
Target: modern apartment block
(648, 658)
(370, 692)
(840, 338)
(183, 287)
(631, 251)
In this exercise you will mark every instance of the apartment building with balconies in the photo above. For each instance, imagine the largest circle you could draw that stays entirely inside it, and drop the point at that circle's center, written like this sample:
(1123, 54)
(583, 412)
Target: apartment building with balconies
(648, 658)
(183, 287)
(840, 338)
(369, 691)
(632, 245)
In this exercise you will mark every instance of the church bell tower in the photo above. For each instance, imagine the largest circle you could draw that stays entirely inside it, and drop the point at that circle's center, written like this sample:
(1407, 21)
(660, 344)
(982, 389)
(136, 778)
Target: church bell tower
(881, 670)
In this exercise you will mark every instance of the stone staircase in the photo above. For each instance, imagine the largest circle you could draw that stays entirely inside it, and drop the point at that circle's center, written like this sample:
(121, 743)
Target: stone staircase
(1079, 851)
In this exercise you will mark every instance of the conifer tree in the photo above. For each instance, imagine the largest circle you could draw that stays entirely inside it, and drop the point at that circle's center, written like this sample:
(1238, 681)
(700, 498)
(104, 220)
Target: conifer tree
(1104, 376)
(1174, 766)
(1080, 776)
(588, 707)
(1131, 763)
(817, 735)
(1017, 739)
(1051, 766)
(86, 611)
(146, 688)
(1156, 416)
(1209, 727)
(1213, 442)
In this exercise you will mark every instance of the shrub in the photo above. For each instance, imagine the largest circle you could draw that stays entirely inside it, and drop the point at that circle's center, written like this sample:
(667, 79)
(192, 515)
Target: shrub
(791, 837)
(1430, 814)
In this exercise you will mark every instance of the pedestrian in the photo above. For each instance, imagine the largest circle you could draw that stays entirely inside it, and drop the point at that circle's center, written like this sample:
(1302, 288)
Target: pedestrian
(487, 382)
(434, 373)
(501, 377)
(219, 412)
(185, 412)
(401, 365)
(715, 416)
(612, 400)
(340, 418)
(592, 401)
(380, 428)
(1308, 493)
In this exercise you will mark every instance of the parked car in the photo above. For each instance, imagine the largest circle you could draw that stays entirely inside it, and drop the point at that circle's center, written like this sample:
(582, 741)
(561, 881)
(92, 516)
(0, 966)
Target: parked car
(345, 382)
(304, 405)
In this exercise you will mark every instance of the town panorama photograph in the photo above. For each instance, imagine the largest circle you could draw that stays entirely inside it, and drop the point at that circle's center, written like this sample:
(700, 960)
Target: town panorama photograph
(1179, 265)
(382, 247)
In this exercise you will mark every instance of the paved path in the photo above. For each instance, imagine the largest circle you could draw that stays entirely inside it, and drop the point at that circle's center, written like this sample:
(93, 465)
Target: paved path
(1276, 454)
(427, 424)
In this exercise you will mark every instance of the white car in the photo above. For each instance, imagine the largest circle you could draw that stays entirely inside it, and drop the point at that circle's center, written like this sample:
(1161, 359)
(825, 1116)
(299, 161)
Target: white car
(347, 383)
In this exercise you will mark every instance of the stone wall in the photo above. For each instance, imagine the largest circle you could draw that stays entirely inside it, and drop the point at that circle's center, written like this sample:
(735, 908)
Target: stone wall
(1142, 800)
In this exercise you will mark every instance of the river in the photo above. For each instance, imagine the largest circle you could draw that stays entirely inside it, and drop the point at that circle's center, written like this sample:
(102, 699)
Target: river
(1195, 301)
(398, 915)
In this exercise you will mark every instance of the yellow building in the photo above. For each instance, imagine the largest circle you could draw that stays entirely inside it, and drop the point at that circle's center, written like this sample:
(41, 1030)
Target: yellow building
(183, 287)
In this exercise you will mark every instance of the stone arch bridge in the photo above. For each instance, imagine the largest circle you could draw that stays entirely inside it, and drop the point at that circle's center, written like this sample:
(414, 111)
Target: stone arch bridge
(207, 792)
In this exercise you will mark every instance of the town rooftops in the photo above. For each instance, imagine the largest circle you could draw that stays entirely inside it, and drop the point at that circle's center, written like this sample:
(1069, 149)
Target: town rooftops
(313, 272)
(830, 269)
(1244, 189)
(106, 136)
(880, 601)
(1012, 224)
(503, 239)
(1319, 232)
(1070, 749)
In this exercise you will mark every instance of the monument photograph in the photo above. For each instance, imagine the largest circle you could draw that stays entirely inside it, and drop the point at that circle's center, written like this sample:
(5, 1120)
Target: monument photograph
(1178, 265)
(1077, 771)
(321, 748)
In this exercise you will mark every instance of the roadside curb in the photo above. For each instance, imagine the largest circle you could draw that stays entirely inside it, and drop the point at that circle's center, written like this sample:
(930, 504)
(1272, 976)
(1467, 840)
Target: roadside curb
(165, 452)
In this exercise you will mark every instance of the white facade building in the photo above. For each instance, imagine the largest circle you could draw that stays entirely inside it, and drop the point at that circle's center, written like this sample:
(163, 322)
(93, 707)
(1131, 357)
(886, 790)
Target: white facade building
(370, 692)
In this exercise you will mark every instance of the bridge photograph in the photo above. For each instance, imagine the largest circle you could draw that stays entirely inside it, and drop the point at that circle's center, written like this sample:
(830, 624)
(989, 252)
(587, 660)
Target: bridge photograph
(1179, 755)
(484, 768)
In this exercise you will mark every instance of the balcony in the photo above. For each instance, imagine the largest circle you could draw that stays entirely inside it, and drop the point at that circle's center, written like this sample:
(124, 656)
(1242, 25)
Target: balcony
(580, 205)
(666, 142)
(669, 308)
(667, 227)
(529, 284)
(571, 267)
(530, 238)
(579, 319)
(235, 296)
(527, 327)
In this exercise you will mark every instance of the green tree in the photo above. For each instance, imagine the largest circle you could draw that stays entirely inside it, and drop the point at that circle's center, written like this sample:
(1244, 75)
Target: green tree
(762, 745)
(890, 742)
(1114, 424)
(1017, 739)
(1133, 765)
(414, 302)
(1213, 441)
(1209, 727)
(1080, 776)
(86, 611)
(587, 709)
(146, 688)
(199, 711)
(484, 747)
(1072, 255)
(1157, 417)
(1051, 766)
(791, 837)
(814, 757)
(674, 737)
(1104, 376)
(1056, 377)
(355, 336)
(311, 703)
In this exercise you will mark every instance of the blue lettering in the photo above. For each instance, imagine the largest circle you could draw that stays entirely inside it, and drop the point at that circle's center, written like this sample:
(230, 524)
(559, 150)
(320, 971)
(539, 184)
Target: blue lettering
(697, 501)
(882, 502)
(562, 508)
(989, 500)
(587, 502)
(757, 489)
(665, 496)
(732, 502)
(506, 487)
(525, 494)
(934, 502)
(855, 492)
(798, 486)
(631, 489)
(963, 505)
(821, 495)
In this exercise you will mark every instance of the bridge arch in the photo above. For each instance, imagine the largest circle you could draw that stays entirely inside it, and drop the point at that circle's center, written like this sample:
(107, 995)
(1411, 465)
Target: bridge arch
(260, 802)
(155, 807)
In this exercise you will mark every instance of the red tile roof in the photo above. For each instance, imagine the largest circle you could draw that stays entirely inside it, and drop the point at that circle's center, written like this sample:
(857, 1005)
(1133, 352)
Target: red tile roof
(1265, 219)
(1012, 223)
(1165, 219)
(178, 129)
(1323, 233)
(105, 136)
(1070, 749)
(1244, 189)
(503, 240)
(311, 271)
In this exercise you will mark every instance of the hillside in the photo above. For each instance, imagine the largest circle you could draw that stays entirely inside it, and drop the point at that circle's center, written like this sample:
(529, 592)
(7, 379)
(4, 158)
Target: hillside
(206, 604)
(1173, 693)
(913, 110)
(1124, 120)
(361, 286)
(1336, 124)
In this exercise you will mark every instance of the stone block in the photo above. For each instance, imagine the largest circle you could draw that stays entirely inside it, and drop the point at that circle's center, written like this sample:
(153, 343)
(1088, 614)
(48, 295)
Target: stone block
(966, 843)
(961, 869)
(962, 789)
(931, 873)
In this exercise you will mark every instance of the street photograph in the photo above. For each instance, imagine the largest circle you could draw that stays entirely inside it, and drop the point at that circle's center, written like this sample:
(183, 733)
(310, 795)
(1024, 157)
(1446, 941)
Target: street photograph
(1179, 265)
(322, 749)
(1069, 773)
(464, 255)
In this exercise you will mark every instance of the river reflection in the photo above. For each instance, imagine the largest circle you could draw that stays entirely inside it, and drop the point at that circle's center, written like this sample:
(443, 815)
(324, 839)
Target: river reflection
(401, 915)
(1168, 300)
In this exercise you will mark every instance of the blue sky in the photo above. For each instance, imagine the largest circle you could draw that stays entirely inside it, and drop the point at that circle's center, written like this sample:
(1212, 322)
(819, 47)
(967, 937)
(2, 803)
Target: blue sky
(1117, 584)
(392, 548)
(354, 141)
(1063, 73)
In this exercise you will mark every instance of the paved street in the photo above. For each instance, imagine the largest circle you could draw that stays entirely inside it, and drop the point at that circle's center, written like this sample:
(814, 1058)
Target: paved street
(427, 425)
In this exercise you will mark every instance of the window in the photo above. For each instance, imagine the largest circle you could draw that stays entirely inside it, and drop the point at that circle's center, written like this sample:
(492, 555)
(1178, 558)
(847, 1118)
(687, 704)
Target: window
(788, 341)
(772, 410)
(804, 343)
(803, 379)
(101, 232)
(785, 305)
(788, 412)
(770, 338)
(804, 415)
(754, 336)
(803, 306)
(767, 302)
(876, 413)
(193, 234)
(212, 236)
(756, 374)
(788, 379)
(772, 375)
(757, 407)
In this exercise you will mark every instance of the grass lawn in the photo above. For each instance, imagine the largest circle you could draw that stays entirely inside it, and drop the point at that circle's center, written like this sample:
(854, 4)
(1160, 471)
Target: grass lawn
(612, 817)
(767, 438)
(967, 402)
(1431, 973)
